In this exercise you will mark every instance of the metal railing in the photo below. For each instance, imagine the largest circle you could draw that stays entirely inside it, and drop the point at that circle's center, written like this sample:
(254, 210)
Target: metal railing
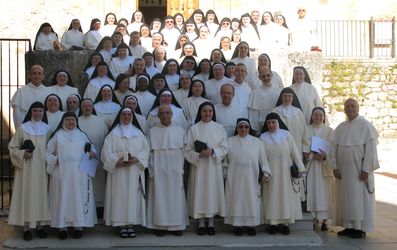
(12, 76)
(357, 38)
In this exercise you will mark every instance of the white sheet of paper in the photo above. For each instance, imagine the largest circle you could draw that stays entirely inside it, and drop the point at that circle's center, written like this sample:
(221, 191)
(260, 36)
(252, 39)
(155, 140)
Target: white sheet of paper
(88, 166)
(318, 144)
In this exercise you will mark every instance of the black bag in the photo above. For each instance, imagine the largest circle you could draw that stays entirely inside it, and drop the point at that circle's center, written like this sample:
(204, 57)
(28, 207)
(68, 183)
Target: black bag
(199, 146)
(28, 144)
(87, 147)
(294, 171)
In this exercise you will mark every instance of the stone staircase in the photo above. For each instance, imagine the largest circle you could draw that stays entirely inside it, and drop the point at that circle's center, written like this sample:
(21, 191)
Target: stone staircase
(101, 236)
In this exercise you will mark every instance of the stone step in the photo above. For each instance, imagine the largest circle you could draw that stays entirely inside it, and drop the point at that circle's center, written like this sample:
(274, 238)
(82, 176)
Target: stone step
(305, 224)
(106, 240)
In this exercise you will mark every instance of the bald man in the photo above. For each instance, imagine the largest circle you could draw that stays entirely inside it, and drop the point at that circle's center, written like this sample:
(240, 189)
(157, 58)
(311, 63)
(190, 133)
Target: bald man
(228, 110)
(167, 210)
(26, 95)
(356, 161)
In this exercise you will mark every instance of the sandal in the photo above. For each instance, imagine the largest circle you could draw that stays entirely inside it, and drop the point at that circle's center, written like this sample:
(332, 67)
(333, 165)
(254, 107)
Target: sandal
(130, 232)
(123, 232)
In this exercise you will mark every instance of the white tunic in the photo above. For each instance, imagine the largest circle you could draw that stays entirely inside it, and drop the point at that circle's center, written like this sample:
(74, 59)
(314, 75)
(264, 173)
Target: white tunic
(213, 88)
(137, 51)
(180, 95)
(63, 93)
(228, 115)
(355, 152)
(72, 38)
(190, 107)
(118, 65)
(107, 29)
(308, 98)
(124, 201)
(145, 100)
(23, 98)
(320, 178)
(241, 96)
(206, 196)
(96, 130)
(71, 192)
(261, 102)
(167, 208)
(107, 111)
(281, 204)
(171, 36)
(54, 119)
(92, 39)
(243, 195)
(29, 203)
(95, 84)
(46, 42)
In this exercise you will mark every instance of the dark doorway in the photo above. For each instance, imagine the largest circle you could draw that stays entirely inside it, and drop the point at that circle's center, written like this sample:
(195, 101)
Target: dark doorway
(152, 9)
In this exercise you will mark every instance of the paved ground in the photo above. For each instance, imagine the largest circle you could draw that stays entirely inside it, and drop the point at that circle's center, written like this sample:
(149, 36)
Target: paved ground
(384, 237)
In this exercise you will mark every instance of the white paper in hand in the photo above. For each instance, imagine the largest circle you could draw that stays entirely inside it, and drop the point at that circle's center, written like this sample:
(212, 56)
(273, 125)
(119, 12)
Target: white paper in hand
(319, 144)
(88, 166)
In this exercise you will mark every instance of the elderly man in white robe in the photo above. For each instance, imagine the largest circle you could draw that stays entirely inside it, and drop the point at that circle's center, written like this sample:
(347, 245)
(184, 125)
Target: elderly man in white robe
(241, 88)
(166, 209)
(28, 94)
(262, 100)
(356, 160)
(228, 111)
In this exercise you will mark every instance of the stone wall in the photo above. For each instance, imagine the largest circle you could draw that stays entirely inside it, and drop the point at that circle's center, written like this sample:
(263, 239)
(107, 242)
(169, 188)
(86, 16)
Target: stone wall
(372, 82)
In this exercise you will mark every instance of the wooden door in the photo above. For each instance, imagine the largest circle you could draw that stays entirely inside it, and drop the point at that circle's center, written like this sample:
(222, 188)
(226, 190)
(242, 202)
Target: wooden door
(185, 7)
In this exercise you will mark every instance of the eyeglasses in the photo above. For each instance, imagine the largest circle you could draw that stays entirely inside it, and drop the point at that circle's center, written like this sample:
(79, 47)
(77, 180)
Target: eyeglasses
(301, 10)
(243, 126)
(225, 24)
(169, 21)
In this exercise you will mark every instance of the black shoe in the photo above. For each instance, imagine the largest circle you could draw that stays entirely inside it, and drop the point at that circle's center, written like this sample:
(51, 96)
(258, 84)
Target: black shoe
(272, 229)
(346, 232)
(324, 227)
(178, 233)
(63, 234)
(251, 231)
(357, 234)
(41, 233)
(131, 232)
(159, 233)
(201, 231)
(211, 231)
(238, 231)
(284, 229)
(77, 234)
(123, 232)
(27, 235)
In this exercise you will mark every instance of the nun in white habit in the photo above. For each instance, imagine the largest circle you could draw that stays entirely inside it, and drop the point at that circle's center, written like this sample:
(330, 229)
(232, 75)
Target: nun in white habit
(125, 155)
(96, 130)
(71, 192)
(246, 160)
(107, 105)
(29, 204)
(281, 204)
